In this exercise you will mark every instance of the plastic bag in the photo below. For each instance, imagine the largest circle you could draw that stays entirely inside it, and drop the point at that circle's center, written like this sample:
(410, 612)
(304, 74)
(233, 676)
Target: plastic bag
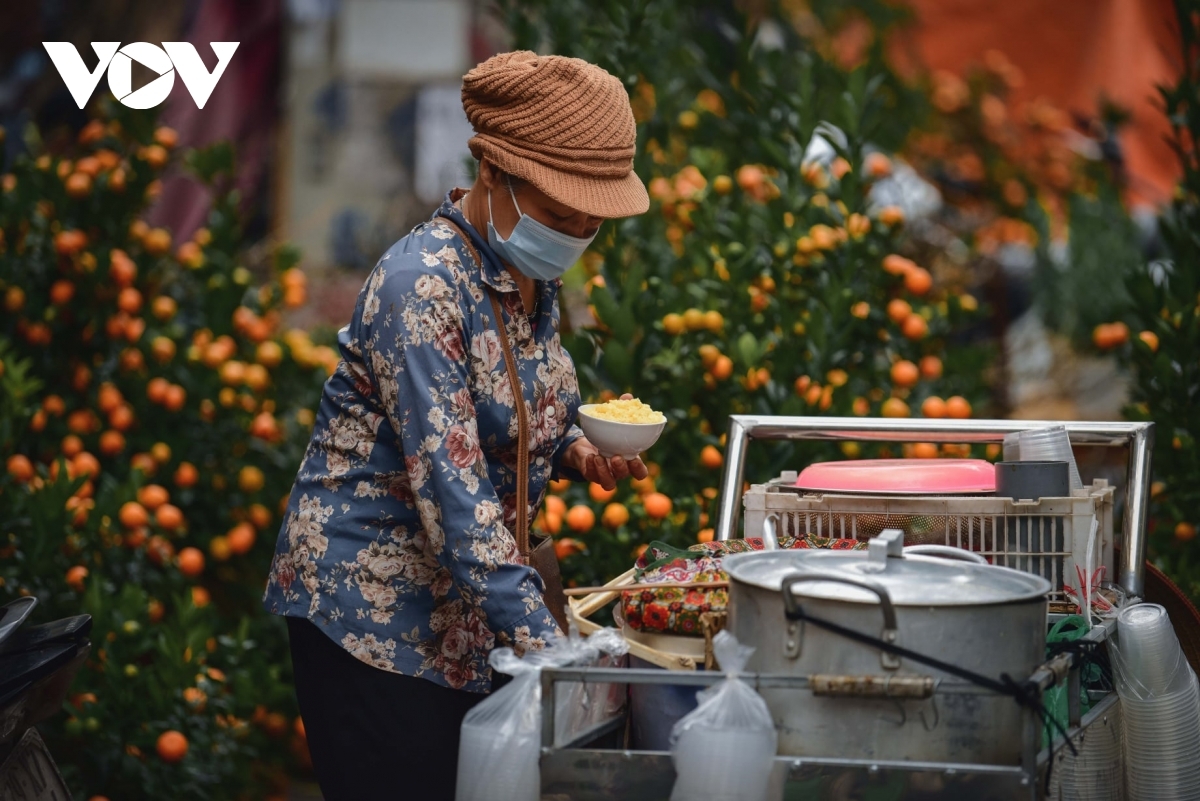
(498, 753)
(502, 735)
(725, 748)
(579, 707)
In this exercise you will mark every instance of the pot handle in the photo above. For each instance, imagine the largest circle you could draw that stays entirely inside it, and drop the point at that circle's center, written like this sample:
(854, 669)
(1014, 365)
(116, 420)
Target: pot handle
(791, 607)
(946, 552)
(770, 532)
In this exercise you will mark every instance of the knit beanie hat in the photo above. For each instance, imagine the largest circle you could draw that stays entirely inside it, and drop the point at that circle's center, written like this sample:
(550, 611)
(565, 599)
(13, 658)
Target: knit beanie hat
(561, 124)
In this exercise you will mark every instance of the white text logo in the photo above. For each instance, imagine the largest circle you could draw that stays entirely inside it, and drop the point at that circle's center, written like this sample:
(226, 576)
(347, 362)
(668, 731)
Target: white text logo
(118, 61)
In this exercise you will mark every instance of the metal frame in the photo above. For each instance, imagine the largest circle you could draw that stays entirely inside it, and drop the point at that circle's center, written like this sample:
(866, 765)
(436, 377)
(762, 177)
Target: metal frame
(581, 771)
(1137, 438)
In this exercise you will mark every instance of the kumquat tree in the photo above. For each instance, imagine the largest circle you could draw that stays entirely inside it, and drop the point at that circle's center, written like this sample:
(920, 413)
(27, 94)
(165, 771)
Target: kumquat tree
(152, 414)
(154, 406)
(1157, 334)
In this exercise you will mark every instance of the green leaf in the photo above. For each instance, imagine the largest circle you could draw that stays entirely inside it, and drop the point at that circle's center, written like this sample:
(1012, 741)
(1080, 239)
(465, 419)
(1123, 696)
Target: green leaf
(618, 364)
(210, 162)
(749, 349)
(616, 317)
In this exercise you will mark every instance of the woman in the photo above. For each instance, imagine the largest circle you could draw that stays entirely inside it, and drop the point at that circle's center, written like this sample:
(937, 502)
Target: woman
(396, 565)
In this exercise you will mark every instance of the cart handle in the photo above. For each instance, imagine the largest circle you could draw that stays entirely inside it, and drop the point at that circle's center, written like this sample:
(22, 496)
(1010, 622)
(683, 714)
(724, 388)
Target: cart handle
(1137, 438)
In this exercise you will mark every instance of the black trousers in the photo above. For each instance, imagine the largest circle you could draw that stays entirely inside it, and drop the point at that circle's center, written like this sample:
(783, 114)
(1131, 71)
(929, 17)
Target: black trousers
(374, 734)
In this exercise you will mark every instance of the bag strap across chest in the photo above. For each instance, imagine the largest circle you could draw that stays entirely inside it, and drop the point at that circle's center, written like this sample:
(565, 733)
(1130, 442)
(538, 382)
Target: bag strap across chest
(522, 528)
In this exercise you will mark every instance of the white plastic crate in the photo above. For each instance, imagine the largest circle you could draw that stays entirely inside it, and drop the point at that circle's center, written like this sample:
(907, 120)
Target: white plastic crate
(1048, 537)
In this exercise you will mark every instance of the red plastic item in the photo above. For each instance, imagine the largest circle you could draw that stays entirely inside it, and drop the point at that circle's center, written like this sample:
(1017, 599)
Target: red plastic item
(901, 477)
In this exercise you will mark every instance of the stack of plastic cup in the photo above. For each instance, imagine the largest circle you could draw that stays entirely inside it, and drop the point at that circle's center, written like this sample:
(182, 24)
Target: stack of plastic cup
(1050, 444)
(1160, 701)
(1012, 447)
(1096, 772)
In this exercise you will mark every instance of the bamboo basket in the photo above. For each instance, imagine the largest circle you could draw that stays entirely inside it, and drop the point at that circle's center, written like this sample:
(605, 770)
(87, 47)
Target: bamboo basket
(668, 651)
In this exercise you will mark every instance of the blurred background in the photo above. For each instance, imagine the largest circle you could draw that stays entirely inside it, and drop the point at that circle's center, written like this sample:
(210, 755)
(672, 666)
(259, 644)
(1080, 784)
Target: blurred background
(349, 129)
(927, 208)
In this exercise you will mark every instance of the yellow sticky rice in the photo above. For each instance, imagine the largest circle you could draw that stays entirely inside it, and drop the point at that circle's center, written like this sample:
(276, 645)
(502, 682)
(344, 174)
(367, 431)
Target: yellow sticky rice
(626, 411)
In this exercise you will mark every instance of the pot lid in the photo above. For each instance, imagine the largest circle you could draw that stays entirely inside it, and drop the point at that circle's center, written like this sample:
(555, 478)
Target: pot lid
(901, 477)
(910, 580)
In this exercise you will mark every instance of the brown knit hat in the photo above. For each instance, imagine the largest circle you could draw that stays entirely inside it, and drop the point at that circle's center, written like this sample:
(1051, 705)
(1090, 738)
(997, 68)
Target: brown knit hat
(561, 124)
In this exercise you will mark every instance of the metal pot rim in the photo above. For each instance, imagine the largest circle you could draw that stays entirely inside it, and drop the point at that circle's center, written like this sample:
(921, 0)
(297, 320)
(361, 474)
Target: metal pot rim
(911, 581)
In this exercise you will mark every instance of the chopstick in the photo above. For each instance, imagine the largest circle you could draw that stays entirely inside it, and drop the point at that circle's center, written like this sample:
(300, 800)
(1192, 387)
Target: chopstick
(664, 585)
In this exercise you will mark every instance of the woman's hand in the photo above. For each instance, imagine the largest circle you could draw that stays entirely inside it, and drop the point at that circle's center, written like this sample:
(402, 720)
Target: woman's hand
(585, 457)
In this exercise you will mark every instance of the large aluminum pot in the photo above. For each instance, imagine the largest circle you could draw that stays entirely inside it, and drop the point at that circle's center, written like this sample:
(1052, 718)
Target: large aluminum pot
(986, 619)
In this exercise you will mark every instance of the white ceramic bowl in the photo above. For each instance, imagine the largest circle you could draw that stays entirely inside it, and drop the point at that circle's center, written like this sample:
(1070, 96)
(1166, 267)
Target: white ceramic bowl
(618, 439)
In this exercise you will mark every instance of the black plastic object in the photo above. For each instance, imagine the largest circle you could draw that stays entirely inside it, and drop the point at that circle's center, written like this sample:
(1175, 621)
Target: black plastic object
(65, 630)
(30, 666)
(1032, 481)
(13, 614)
(10, 695)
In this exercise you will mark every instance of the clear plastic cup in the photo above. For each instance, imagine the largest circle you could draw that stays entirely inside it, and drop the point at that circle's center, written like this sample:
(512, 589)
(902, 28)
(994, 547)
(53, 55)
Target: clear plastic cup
(1012, 447)
(1152, 785)
(1150, 660)
(1159, 717)
(1153, 738)
(1160, 706)
(1049, 444)
(1096, 772)
(1173, 713)
(1179, 699)
(1160, 753)
(1147, 736)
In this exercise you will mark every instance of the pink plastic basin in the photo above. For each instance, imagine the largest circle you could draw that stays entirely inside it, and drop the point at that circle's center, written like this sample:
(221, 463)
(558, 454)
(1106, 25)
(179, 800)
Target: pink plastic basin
(901, 476)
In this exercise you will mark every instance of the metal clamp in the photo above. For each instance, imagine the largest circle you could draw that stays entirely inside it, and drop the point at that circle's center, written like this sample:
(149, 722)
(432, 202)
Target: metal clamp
(889, 686)
(794, 633)
(945, 552)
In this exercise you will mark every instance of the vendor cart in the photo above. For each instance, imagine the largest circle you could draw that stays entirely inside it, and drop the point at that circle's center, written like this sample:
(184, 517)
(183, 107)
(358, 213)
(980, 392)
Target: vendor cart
(1086, 762)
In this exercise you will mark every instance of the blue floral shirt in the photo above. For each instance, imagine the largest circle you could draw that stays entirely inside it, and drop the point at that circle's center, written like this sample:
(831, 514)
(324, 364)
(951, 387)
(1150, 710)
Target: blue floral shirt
(397, 538)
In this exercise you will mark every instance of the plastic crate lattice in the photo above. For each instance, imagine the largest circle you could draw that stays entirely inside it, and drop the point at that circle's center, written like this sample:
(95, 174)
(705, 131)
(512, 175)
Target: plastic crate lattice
(1048, 537)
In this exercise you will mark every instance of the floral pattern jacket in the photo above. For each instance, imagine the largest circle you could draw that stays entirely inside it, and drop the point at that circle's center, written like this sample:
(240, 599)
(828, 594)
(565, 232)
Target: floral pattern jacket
(397, 537)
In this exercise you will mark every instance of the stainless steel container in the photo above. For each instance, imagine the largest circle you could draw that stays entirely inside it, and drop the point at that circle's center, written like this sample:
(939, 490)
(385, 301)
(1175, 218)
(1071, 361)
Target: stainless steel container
(985, 619)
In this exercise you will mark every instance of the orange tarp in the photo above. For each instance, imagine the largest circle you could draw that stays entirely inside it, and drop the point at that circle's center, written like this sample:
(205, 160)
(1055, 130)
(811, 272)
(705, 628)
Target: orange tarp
(1072, 52)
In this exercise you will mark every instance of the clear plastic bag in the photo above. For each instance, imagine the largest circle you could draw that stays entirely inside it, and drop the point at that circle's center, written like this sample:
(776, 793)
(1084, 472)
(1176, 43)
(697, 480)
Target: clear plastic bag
(579, 706)
(502, 735)
(725, 748)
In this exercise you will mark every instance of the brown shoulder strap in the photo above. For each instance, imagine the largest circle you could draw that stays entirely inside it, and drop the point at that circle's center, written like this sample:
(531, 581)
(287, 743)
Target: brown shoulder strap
(514, 378)
(465, 238)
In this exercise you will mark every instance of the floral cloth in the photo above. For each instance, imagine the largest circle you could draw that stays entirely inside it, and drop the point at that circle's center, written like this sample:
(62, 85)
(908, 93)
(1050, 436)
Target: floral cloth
(677, 610)
(397, 538)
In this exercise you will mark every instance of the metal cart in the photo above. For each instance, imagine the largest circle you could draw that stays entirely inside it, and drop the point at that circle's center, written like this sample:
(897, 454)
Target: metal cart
(594, 766)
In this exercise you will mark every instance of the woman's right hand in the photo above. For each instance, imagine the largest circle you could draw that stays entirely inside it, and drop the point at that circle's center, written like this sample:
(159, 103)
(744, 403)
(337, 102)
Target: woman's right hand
(585, 457)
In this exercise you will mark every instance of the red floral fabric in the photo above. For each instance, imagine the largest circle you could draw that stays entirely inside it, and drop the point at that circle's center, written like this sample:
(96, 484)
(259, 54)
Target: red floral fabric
(671, 610)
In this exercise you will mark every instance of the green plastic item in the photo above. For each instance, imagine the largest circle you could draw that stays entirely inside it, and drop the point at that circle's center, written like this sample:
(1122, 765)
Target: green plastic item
(1069, 629)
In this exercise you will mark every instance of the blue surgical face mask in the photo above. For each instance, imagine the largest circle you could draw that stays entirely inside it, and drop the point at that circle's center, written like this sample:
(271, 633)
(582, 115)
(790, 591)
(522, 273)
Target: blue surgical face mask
(535, 249)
